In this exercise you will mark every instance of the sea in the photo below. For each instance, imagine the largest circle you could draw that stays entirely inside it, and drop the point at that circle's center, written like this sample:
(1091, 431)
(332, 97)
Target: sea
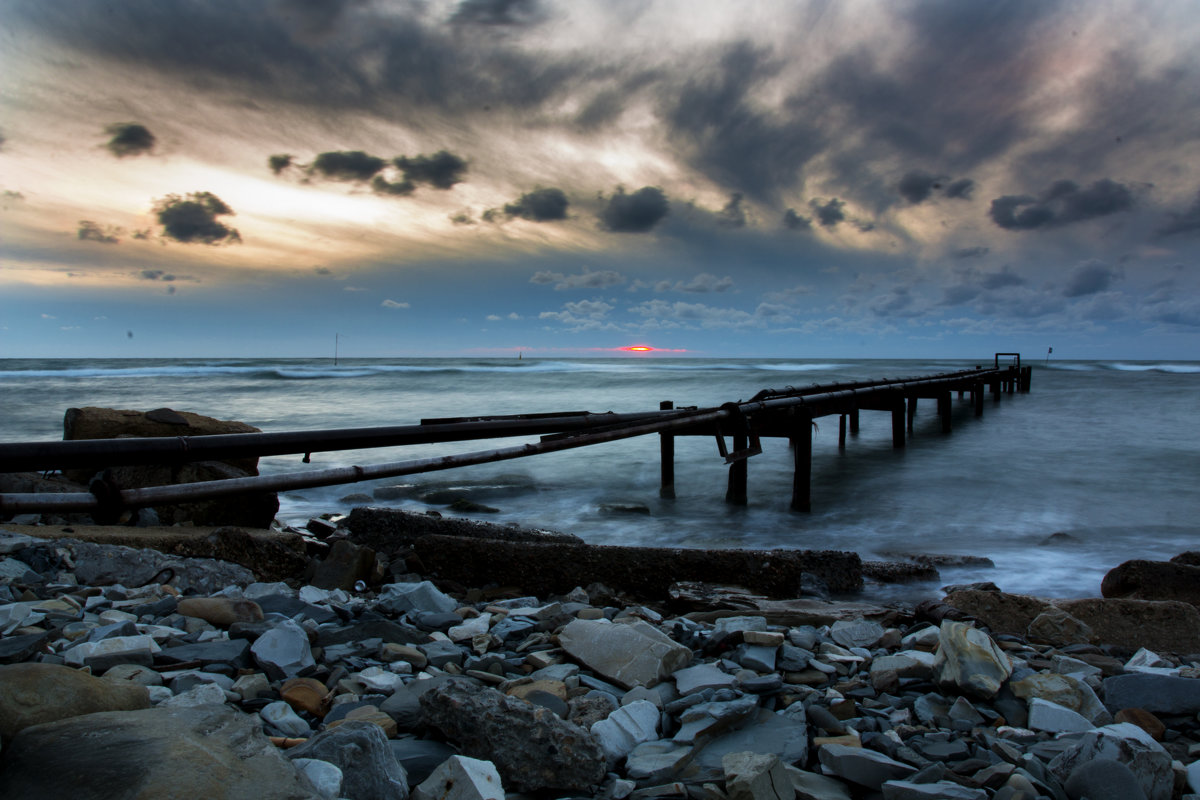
(1098, 464)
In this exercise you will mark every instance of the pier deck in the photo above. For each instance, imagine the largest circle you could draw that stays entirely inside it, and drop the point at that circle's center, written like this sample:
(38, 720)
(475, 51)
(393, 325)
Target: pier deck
(737, 427)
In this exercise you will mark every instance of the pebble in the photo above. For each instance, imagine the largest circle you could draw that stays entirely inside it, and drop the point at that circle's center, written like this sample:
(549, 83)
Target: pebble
(608, 702)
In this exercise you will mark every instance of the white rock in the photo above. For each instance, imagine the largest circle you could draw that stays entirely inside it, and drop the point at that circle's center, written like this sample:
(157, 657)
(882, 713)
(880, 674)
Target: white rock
(732, 624)
(627, 727)
(256, 590)
(630, 654)
(159, 694)
(701, 677)
(906, 664)
(138, 649)
(470, 628)
(201, 695)
(283, 649)
(856, 632)
(461, 778)
(968, 661)
(424, 596)
(280, 715)
(380, 680)
(326, 778)
(1126, 743)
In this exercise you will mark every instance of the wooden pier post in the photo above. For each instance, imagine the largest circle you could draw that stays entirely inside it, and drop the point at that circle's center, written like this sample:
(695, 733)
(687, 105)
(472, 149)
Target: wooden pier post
(842, 432)
(802, 449)
(912, 412)
(854, 421)
(977, 398)
(945, 410)
(898, 423)
(736, 493)
(666, 449)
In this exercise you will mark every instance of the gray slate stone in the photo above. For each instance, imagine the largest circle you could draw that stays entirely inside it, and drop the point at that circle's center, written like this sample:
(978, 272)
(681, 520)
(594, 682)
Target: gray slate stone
(864, 767)
(105, 564)
(400, 598)
(1158, 694)
(784, 735)
(1053, 718)
(657, 761)
(630, 654)
(1128, 744)
(361, 751)
(856, 632)
(283, 651)
(208, 751)
(755, 776)
(941, 790)
(700, 677)
(419, 757)
(216, 651)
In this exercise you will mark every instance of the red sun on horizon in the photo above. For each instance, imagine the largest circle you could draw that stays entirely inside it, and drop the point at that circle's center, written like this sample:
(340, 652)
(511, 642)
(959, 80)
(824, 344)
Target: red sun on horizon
(638, 348)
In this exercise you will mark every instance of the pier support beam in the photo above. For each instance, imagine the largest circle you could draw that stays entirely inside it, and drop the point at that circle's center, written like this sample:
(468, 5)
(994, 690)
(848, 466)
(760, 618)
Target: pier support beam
(945, 409)
(802, 449)
(898, 424)
(854, 421)
(666, 449)
(977, 398)
(842, 432)
(912, 412)
(736, 493)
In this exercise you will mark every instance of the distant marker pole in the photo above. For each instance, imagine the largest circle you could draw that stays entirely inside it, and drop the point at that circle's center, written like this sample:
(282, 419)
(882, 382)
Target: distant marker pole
(1048, 352)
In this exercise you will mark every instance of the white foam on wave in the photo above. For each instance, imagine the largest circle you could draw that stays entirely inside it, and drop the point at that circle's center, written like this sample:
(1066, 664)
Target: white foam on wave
(1183, 369)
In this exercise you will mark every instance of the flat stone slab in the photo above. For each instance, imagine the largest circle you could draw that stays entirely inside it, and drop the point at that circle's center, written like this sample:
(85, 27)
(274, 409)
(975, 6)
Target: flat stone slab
(1158, 694)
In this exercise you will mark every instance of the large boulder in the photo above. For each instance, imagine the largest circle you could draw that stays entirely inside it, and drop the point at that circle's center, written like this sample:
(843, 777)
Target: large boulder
(249, 510)
(1162, 626)
(31, 694)
(531, 747)
(370, 770)
(1153, 580)
(205, 751)
(968, 661)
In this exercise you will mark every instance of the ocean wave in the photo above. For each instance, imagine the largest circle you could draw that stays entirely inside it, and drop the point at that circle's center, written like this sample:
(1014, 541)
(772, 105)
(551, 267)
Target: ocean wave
(1180, 369)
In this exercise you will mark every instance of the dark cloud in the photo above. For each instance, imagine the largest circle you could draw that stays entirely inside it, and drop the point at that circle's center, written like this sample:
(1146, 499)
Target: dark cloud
(347, 165)
(498, 12)
(971, 252)
(917, 186)
(90, 231)
(794, 222)
(1061, 204)
(3, 140)
(961, 189)
(957, 295)
(634, 213)
(441, 170)
(1187, 221)
(323, 270)
(1090, 277)
(462, 218)
(156, 275)
(381, 185)
(540, 205)
(194, 219)
(129, 139)
(279, 162)
(896, 303)
(999, 280)
(829, 213)
(733, 215)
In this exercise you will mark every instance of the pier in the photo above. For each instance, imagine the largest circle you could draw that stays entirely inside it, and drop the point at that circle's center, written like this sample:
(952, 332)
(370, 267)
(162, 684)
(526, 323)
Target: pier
(737, 427)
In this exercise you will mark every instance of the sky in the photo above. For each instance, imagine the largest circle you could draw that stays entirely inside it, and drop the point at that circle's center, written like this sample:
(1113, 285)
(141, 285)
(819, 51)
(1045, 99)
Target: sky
(565, 178)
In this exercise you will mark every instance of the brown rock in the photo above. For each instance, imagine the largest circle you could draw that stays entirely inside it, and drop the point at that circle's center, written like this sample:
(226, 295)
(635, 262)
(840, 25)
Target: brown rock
(221, 611)
(1153, 580)
(999, 611)
(1191, 558)
(899, 571)
(31, 694)
(522, 691)
(1162, 626)
(369, 714)
(346, 564)
(1058, 627)
(306, 694)
(1144, 720)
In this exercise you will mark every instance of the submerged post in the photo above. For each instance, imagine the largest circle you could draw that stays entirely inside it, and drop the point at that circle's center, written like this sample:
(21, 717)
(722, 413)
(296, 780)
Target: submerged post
(898, 423)
(666, 449)
(736, 493)
(802, 476)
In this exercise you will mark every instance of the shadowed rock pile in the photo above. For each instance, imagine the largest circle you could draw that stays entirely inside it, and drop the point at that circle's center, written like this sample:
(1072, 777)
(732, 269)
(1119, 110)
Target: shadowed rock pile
(211, 684)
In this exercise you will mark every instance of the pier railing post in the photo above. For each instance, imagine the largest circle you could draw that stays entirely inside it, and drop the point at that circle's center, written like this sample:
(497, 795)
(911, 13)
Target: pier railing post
(802, 449)
(666, 449)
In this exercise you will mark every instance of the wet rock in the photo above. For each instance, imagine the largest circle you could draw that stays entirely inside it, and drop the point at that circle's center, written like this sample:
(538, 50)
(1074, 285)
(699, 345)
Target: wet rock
(211, 750)
(1053, 718)
(856, 633)
(784, 735)
(811, 786)
(31, 694)
(105, 653)
(1128, 744)
(656, 761)
(1063, 690)
(968, 661)
(532, 748)
(939, 790)
(346, 564)
(703, 721)
(1159, 625)
(361, 751)
(1056, 625)
(631, 654)
(999, 611)
(1165, 694)
(104, 565)
(1153, 580)
(701, 677)
(419, 757)
(462, 778)
(906, 664)
(627, 727)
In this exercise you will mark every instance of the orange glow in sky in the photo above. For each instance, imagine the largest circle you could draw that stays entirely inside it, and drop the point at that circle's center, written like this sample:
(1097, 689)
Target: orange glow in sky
(638, 348)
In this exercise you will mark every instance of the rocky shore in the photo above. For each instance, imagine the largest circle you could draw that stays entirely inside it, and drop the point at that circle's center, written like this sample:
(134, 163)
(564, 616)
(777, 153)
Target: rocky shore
(396, 655)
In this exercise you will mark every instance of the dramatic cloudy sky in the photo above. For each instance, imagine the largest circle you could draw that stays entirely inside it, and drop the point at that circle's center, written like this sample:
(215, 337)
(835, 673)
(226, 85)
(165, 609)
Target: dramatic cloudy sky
(480, 177)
